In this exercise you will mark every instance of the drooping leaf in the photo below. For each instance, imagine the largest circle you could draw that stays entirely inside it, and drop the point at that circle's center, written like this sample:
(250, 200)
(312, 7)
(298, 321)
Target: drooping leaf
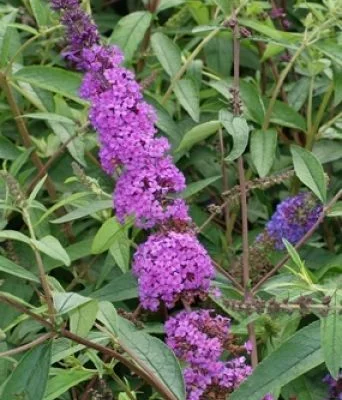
(84, 211)
(167, 53)
(11, 268)
(195, 187)
(121, 288)
(238, 128)
(52, 247)
(41, 12)
(29, 378)
(309, 170)
(64, 380)
(197, 134)
(66, 302)
(298, 355)
(188, 97)
(152, 355)
(130, 31)
(108, 316)
(263, 150)
(107, 235)
(54, 79)
(120, 251)
(83, 317)
(331, 328)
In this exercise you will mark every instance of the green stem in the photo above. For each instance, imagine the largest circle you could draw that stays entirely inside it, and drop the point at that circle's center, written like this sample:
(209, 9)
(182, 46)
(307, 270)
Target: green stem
(310, 133)
(26, 44)
(279, 84)
(41, 269)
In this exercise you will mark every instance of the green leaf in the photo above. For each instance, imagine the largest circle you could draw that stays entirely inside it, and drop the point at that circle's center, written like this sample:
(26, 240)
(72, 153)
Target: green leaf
(195, 187)
(36, 190)
(249, 95)
(108, 316)
(165, 4)
(336, 210)
(225, 5)
(4, 25)
(331, 328)
(120, 251)
(40, 11)
(108, 234)
(84, 211)
(197, 134)
(299, 354)
(15, 235)
(284, 115)
(121, 288)
(338, 86)
(54, 79)
(188, 97)
(219, 55)
(271, 32)
(8, 151)
(263, 150)
(9, 267)
(66, 302)
(152, 355)
(238, 128)
(130, 31)
(309, 170)
(167, 52)
(28, 380)
(46, 116)
(52, 247)
(303, 389)
(64, 380)
(83, 317)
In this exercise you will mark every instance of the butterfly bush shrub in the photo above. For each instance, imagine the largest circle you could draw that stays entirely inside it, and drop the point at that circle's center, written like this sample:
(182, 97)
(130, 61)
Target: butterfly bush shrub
(218, 321)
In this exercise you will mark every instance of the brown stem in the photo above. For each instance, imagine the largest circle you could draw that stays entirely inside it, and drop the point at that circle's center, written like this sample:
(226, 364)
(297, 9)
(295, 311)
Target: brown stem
(243, 192)
(48, 164)
(225, 186)
(27, 346)
(228, 276)
(17, 305)
(300, 243)
(114, 354)
(24, 133)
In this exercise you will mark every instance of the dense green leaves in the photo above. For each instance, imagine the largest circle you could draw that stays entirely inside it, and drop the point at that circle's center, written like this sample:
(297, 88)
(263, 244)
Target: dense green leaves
(64, 380)
(29, 378)
(263, 150)
(237, 127)
(153, 355)
(187, 95)
(309, 171)
(11, 268)
(331, 336)
(130, 31)
(167, 52)
(197, 134)
(297, 355)
(54, 79)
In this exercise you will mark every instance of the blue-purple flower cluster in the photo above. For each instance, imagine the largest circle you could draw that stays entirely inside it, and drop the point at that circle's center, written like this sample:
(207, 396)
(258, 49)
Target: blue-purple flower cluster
(335, 387)
(293, 218)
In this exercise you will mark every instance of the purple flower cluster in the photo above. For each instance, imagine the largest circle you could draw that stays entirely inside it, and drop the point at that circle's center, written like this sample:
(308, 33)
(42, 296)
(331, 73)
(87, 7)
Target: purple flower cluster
(170, 267)
(198, 338)
(335, 387)
(293, 218)
(81, 33)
